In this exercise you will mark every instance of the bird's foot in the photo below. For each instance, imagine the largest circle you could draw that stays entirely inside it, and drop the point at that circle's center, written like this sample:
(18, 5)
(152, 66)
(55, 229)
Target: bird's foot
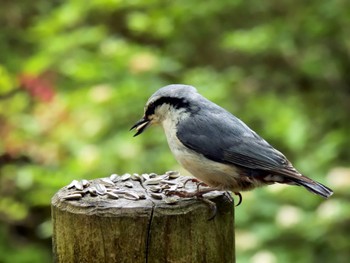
(196, 181)
(186, 194)
(240, 197)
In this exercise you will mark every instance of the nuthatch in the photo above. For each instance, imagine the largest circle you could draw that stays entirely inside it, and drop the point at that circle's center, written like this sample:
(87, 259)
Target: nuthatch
(216, 147)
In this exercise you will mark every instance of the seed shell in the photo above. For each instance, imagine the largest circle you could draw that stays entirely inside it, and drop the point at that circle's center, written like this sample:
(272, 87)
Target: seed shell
(131, 196)
(125, 177)
(155, 189)
(136, 177)
(141, 196)
(152, 175)
(72, 184)
(114, 177)
(168, 182)
(93, 191)
(73, 197)
(153, 181)
(107, 181)
(128, 185)
(78, 185)
(171, 200)
(157, 196)
(180, 185)
(112, 195)
(172, 174)
(85, 183)
(145, 176)
(101, 189)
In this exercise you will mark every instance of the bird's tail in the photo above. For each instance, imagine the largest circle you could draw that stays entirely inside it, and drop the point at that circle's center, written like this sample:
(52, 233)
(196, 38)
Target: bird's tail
(313, 186)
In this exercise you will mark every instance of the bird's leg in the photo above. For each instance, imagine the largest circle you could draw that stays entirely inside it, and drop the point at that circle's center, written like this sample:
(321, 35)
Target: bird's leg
(240, 197)
(203, 184)
(200, 183)
(199, 193)
(186, 194)
(196, 181)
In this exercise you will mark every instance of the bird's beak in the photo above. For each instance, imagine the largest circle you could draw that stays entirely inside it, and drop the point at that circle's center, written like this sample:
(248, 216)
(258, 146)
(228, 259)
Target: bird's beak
(140, 126)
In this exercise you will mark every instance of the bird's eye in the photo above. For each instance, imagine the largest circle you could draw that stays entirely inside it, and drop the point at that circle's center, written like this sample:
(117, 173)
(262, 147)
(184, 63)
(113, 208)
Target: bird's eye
(150, 109)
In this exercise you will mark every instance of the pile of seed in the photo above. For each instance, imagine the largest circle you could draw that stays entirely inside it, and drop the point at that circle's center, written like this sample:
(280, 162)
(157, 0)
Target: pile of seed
(122, 186)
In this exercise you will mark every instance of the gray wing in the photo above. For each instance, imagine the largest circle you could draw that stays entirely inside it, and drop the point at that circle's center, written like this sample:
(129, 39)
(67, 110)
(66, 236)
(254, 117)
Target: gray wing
(222, 137)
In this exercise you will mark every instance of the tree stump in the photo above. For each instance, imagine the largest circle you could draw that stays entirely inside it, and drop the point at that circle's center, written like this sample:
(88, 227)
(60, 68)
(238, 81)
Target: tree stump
(130, 219)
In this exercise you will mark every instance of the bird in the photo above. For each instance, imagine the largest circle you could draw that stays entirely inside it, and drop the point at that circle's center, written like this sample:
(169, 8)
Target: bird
(216, 147)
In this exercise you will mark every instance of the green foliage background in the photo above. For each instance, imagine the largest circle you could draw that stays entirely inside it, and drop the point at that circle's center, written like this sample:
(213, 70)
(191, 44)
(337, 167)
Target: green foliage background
(74, 76)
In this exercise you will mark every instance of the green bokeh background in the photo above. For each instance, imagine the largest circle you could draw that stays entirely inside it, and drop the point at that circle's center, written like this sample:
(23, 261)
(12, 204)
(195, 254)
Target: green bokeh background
(75, 75)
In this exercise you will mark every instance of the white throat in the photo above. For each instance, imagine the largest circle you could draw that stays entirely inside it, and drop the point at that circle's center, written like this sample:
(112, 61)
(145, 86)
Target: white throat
(169, 122)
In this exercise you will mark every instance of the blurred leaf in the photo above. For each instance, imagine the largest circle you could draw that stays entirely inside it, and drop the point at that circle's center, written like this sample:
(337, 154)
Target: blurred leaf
(75, 75)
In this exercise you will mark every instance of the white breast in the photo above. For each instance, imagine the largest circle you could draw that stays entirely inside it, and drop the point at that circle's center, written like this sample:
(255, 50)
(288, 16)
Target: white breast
(212, 173)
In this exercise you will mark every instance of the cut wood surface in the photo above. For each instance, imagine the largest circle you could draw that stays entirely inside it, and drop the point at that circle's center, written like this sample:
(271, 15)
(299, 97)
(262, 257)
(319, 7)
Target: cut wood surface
(126, 220)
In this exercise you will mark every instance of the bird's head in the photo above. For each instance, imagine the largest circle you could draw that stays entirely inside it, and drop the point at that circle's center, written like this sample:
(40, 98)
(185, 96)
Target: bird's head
(169, 101)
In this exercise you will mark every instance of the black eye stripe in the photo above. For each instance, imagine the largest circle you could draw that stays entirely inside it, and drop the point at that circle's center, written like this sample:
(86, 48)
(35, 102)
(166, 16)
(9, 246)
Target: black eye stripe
(177, 103)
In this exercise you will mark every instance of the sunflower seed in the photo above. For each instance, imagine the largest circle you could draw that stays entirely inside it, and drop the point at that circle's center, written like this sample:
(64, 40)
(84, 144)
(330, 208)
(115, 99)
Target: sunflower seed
(86, 190)
(157, 196)
(172, 174)
(125, 177)
(73, 197)
(118, 191)
(131, 196)
(171, 200)
(79, 185)
(85, 183)
(173, 188)
(136, 177)
(145, 176)
(153, 181)
(164, 186)
(168, 182)
(107, 181)
(101, 189)
(72, 184)
(128, 185)
(155, 189)
(93, 191)
(114, 177)
(112, 195)
(180, 185)
(141, 196)
(77, 192)
(152, 175)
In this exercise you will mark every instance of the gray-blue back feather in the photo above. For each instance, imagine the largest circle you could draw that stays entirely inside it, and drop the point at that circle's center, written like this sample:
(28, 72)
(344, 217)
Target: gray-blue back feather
(222, 137)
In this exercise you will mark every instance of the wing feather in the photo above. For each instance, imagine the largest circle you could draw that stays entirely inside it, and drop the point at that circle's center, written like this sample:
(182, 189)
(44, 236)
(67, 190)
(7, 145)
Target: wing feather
(228, 140)
(222, 137)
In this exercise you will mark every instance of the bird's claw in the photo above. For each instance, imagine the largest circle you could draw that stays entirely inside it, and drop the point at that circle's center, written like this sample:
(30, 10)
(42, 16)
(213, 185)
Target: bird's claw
(196, 181)
(240, 198)
(183, 194)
